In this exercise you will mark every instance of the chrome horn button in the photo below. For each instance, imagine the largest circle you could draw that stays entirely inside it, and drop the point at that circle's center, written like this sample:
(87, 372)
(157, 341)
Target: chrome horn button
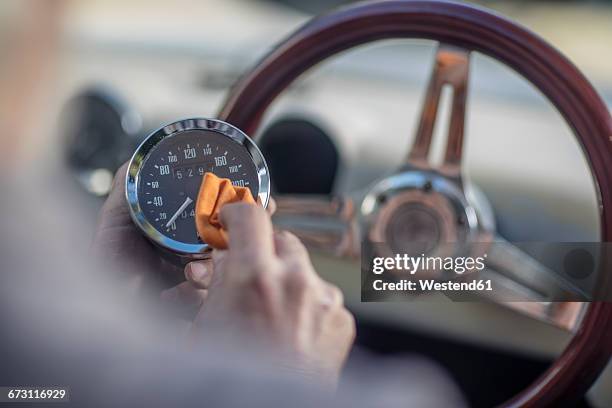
(418, 212)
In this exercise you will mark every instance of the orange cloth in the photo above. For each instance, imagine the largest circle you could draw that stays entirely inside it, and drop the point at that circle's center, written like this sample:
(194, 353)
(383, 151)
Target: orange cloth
(214, 193)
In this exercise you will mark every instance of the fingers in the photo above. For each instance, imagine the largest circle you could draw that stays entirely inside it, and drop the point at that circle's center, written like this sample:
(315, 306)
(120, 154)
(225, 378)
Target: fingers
(119, 179)
(117, 192)
(185, 294)
(194, 290)
(289, 246)
(332, 296)
(115, 210)
(218, 256)
(271, 209)
(301, 275)
(271, 289)
(199, 273)
(293, 254)
(250, 231)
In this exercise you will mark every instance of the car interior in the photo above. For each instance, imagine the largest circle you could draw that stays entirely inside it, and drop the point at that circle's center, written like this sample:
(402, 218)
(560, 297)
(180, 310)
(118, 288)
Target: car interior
(345, 111)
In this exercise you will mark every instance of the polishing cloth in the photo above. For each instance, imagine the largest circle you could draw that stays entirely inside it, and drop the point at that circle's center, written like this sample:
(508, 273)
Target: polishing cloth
(214, 193)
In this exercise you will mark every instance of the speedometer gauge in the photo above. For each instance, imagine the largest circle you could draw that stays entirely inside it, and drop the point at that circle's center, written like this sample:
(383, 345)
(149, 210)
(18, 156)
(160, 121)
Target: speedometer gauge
(166, 171)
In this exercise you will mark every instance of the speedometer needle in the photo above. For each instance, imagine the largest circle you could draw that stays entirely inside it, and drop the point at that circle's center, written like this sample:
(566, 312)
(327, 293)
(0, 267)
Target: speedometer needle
(178, 212)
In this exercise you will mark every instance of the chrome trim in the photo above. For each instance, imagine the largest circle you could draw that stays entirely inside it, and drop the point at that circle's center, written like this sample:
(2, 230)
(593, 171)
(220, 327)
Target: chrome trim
(451, 68)
(419, 180)
(189, 251)
(326, 224)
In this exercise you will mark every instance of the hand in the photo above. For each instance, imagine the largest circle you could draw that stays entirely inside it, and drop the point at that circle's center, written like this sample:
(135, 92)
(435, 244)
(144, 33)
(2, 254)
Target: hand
(266, 287)
(118, 242)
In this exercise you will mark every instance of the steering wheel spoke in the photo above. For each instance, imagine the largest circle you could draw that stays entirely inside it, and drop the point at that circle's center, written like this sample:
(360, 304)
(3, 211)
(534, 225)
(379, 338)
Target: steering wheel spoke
(451, 69)
(322, 223)
(524, 284)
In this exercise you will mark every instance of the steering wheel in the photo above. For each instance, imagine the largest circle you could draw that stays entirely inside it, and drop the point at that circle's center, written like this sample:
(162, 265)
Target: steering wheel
(452, 207)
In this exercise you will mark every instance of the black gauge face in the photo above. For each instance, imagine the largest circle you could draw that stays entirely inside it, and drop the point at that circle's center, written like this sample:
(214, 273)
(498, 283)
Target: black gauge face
(171, 174)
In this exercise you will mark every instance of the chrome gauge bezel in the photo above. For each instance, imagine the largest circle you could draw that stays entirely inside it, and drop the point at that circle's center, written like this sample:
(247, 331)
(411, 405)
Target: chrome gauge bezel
(170, 130)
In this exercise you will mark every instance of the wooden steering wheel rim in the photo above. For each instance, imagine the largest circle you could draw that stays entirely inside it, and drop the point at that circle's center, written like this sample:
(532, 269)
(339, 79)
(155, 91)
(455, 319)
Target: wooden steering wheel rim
(476, 29)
